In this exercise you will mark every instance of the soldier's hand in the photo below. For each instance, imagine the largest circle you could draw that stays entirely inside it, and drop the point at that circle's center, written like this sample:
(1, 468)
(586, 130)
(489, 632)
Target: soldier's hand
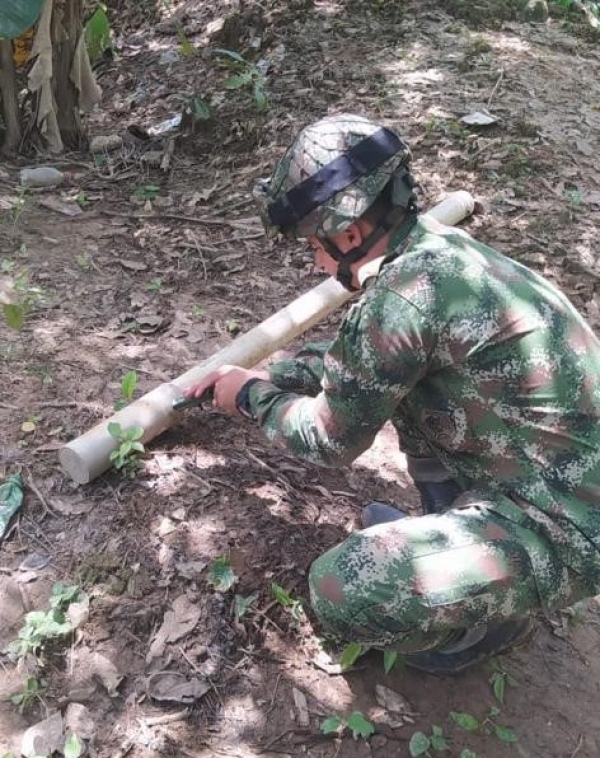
(225, 382)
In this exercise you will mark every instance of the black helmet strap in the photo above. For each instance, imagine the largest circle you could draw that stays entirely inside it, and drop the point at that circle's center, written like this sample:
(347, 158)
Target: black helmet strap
(361, 159)
(385, 225)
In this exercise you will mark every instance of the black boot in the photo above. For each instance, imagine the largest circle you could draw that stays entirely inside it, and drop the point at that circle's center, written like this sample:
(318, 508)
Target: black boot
(437, 497)
(379, 513)
(472, 646)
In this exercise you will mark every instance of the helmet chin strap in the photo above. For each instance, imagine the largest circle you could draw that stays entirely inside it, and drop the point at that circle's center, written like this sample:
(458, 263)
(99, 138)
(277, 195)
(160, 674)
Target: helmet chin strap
(345, 260)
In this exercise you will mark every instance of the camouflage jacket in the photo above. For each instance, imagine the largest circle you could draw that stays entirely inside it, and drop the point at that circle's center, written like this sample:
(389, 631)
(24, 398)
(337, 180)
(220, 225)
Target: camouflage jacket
(476, 360)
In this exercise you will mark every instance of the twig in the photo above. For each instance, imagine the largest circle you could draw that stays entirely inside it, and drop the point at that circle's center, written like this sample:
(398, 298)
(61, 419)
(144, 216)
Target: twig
(279, 737)
(30, 483)
(491, 97)
(578, 746)
(166, 718)
(272, 705)
(178, 217)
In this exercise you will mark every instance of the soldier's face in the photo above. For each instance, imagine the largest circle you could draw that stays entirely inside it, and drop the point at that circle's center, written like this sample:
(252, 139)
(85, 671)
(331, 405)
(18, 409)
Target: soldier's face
(324, 263)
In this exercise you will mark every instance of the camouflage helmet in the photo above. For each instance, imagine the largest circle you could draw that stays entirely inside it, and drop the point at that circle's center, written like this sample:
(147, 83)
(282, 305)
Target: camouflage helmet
(331, 174)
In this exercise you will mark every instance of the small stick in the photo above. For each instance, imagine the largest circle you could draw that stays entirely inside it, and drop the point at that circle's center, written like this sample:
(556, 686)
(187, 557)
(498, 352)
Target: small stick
(491, 97)
(578, 746)
(30, 483)
(167, 718)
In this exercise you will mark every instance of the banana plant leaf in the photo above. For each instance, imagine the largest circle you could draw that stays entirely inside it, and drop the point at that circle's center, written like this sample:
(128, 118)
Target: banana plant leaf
(11, 499)
(17, 16)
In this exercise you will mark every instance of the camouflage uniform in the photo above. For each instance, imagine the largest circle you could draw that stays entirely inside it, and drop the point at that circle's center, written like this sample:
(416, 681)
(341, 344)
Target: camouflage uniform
(485, 366)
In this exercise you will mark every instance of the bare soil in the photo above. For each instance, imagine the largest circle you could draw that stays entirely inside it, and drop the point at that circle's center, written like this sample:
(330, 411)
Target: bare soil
(157, 279)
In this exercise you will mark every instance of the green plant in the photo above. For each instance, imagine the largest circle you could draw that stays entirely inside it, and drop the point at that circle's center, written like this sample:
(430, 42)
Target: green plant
(42, 626)
(147, 192)
(20, 301)
(155, 286)
(126, 457)
(84, 262)
(98, 37)
(33, 690)
(241, 605)
(82, 198)
(197, 312)
(487, 725)
(73, 746)
(391, 658)
(232, 325)
(292, 605)
(246, 74)
(356, 723)
(221, 575)
(350, 654)
(420, 743)
(499, 679)
(128, 387)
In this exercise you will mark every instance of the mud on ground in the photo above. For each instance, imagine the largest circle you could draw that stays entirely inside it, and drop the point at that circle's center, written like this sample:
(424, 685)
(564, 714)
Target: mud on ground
(163, 267)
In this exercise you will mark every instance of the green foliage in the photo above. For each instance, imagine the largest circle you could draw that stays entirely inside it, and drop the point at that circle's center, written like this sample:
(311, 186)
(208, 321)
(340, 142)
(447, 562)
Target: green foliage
(73, 746)
(421, 743)
(16, 18)
(155, 286)
(350, 655)
(499, 679)
(220, 574)
(42, 626)
(241, 605)
(391, 658)
(356, 723)
(24, 297)
(488, 725)
(126, 456)
(33, 690)
(292, 605)
(128, 388)
(246, 75)
(147, 192)
(98, 34)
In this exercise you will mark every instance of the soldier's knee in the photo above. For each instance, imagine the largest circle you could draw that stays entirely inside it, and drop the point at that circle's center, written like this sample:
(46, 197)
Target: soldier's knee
(353, 607)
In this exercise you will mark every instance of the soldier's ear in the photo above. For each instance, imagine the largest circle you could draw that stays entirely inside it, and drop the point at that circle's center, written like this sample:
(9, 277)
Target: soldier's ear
(350, 238)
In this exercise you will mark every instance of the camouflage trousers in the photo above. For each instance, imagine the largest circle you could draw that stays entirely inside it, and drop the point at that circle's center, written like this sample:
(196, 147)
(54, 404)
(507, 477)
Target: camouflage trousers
(408, 584)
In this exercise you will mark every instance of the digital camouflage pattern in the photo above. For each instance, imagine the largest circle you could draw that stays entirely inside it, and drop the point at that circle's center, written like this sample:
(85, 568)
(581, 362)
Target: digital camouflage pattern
(486, 366)
(316, 146)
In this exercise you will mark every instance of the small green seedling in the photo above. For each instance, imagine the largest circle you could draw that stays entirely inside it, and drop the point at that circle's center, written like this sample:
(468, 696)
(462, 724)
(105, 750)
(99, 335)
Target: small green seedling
(126, 457)
(221, 575)
(128, 388)
(499, 679)
(488, 725)
(246, 75)
(422, 744)
(43, 626)
(292, 605)
(241, 605)
(73, 746)
(197, 312)
(391, 659)
(19, 301)
(355, 723)
(147, 192)
(33, 690)
(82, 199)
(155, 286)
(83, 262)
(232, 325)
(350, 654)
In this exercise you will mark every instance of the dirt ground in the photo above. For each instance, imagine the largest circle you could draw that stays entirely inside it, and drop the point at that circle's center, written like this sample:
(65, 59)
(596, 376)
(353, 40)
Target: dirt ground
(163, 267)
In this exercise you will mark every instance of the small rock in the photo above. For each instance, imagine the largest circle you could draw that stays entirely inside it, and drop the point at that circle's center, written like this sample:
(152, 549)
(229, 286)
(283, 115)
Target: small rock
(168, 57)
(106, 143)
(78, 720)
(34, 562)
(43, 176)
(378, 741)
(43, 738)
(536, 10)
